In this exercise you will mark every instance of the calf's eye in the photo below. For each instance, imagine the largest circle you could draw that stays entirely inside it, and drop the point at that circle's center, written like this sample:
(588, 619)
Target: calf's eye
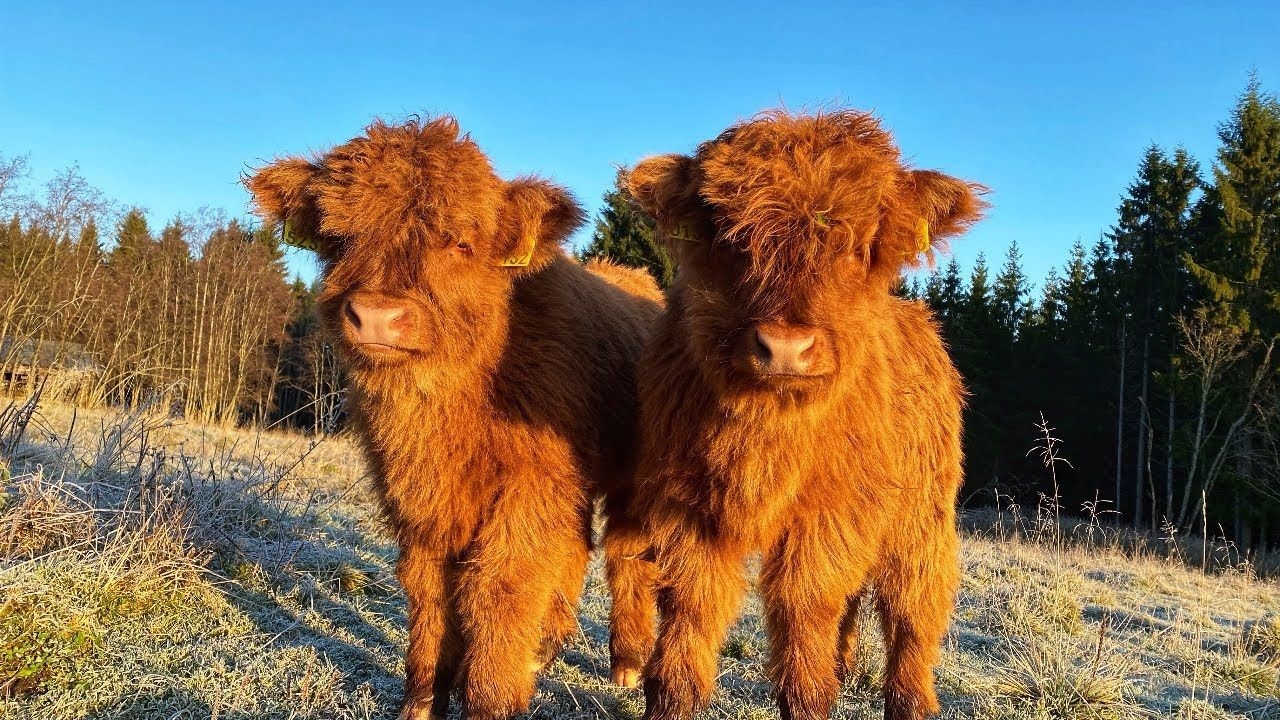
(464, 248)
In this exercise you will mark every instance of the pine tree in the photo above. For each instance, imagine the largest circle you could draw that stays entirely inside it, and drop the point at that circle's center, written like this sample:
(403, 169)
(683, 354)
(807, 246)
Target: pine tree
(625, 235)
(1241, 270)
(1237, 267)
(978, 310)
(1149, 237)
(1009, 295)
(1048, 316)
(932, 294)
(133, 237)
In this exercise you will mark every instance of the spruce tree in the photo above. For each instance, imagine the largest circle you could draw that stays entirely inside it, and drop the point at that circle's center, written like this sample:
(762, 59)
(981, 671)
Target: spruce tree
(1149, 237)
(89, 245)
(133, 237)
(951, 300)
(625, 235)
(973, 350)
(1078, 305)
(173, 240)
(932, 294)
(1048, 316)
(1009, 295)
(1237, 267)
(1104, 293)
(978, 310)
(911, 290)
(267, 237)
(1240, 270)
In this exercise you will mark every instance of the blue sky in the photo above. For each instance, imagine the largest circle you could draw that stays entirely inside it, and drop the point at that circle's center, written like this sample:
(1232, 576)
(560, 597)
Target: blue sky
(164, 105)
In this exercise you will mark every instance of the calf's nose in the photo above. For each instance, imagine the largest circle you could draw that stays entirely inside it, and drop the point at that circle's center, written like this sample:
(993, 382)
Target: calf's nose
(375, 324)
(784, 350)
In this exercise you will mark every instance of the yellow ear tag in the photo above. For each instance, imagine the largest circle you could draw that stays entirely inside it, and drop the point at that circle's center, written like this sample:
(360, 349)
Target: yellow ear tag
(297, 241)
(681, 232)
(520, 260)
(922, 236)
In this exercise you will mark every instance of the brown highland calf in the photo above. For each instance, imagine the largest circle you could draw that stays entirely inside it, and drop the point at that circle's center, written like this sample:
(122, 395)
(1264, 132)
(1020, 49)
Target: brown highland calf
(792, 405)
(492, 383)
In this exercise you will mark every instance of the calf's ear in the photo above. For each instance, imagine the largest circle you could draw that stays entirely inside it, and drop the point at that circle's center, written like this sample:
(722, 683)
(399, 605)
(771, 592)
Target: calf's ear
(660, 184)
(665, 188)
(281, 193)
(536, 218)
(947, 204)
(927, 209)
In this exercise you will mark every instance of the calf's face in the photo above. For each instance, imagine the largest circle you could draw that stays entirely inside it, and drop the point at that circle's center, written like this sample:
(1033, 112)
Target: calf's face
(790, 231)
(418, 238)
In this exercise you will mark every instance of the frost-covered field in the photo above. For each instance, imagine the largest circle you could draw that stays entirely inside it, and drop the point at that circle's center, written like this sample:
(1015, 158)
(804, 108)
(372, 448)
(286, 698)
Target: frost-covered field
(154, 569)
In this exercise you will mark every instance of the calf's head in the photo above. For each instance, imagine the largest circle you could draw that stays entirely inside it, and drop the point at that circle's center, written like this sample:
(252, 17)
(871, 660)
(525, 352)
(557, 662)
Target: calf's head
(419, 240)
(791, 231)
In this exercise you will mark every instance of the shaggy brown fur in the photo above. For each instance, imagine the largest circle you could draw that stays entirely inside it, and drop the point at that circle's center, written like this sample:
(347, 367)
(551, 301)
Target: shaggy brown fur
(791, 405)
(494, 401)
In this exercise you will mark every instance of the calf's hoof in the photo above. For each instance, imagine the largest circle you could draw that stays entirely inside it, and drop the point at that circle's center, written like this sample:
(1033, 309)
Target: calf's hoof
(662, 702)
(906, 706)
(419, 709)
(626, 675)
(487, 713)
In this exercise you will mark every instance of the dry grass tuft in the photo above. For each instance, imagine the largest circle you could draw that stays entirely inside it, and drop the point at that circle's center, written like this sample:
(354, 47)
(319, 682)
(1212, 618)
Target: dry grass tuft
(1032, 603)
(1044, 681)
(1262, 637)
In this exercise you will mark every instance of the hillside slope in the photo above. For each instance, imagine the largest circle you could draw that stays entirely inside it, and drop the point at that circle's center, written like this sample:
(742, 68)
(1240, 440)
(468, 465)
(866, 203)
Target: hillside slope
(152, 569)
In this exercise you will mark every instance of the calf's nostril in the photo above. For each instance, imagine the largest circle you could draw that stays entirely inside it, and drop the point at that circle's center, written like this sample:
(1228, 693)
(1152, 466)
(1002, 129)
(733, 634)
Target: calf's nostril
(353, 317)
(375, 324)
(762, 346)
(784, 353)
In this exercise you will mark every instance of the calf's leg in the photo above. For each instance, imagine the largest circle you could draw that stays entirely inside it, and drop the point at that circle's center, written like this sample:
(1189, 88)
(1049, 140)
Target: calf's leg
(806, 581)
(561, 622)
(509, 580)
(850, 632)
(431, 664)
(632, 578)
(915, 600)
(701, 589)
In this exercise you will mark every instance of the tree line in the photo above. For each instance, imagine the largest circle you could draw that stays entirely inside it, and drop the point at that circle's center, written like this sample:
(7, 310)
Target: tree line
(198, 319)
(1150, 354)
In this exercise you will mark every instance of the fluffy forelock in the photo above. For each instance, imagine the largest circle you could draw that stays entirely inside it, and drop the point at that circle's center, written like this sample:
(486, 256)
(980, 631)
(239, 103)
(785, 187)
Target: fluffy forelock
(417, 177)
(795, 189)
